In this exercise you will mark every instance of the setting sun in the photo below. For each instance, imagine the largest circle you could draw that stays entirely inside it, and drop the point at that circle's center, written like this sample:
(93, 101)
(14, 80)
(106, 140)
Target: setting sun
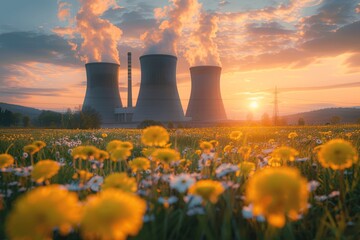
(254, 105)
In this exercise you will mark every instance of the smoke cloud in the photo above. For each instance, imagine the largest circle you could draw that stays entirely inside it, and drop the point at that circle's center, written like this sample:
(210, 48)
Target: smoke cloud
(99, 36)
(63, 11)
(202, 49)
(172, 20)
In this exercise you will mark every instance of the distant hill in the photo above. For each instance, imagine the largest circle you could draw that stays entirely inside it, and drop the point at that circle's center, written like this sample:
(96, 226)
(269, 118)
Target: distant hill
(26, 111)
(323, 116)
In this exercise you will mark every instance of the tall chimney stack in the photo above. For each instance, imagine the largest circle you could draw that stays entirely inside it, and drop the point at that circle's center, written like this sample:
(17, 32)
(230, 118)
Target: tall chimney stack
(130, 105)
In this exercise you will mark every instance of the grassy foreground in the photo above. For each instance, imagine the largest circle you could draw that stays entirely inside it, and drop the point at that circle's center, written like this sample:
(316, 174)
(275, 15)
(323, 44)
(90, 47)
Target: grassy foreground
(198, 184)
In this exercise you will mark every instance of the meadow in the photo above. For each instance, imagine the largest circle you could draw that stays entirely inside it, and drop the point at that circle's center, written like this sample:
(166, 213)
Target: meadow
(209, 183)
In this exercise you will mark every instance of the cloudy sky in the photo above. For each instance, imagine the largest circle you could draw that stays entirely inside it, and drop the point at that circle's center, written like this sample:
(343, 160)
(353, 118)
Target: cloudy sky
(309, 49)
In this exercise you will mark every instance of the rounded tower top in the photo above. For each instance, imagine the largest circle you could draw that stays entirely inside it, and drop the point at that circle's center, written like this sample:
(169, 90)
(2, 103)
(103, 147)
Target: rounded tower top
(205, 67)
(101, 63)
(157, 55)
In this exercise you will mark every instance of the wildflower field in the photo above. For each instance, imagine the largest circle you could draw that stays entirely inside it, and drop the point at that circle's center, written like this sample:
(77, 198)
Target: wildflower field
(156, 183)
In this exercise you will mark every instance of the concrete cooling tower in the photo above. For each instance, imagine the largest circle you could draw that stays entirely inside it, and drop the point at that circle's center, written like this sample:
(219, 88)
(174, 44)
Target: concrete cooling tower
(102, 90)
(205, 103)
(158, 96)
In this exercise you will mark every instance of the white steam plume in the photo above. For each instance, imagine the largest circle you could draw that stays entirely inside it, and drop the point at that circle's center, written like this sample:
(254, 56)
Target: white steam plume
(99, 36)
(201, 48)
(165, 39)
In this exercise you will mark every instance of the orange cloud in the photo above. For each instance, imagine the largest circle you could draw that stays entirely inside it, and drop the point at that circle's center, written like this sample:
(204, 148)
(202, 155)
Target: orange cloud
(100, 37)
(286, 12)
(64, 11)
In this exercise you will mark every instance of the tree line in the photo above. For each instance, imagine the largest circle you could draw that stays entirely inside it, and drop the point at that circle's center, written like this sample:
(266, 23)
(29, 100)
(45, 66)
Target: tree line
(86, 118)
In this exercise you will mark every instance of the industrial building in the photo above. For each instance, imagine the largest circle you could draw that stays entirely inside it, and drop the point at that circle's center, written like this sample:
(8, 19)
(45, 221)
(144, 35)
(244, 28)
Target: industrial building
(158, 97)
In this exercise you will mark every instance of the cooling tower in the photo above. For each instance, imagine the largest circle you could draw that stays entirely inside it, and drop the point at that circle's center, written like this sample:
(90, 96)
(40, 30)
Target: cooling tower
(158, 96)
(102, 90)
(205, 103)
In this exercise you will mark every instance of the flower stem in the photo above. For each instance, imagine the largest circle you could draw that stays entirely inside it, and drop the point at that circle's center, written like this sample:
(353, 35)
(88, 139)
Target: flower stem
(343, 193)
(32, 160)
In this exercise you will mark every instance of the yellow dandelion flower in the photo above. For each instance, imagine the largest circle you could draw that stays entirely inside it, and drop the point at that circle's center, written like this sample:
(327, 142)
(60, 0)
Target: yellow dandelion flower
(165, 156)
(44, 170)
(198, 152)
(284, 154)
(115, 144)
(120, 154)
(112, 214)
(139, 164)
(208, 190)
(276, 193)
(6, 160)
(127, 145)
(246, 168)
(103, 155)
(349, 134)
(39, 144)
(206, 146)
(79, 153)
(155, 136)
(275, 162)
(112, 145)
(31, 149)
(292, 135)
(104, 135)
(120, 181)
(228, 148)
(235, 135)
(38, 212)
(215, 143)
(185, 163)
(83, 176)
(337, 154)
(90, 152)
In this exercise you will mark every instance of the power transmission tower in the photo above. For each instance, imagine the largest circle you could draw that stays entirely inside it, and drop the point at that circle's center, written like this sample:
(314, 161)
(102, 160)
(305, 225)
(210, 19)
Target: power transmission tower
(276, 107)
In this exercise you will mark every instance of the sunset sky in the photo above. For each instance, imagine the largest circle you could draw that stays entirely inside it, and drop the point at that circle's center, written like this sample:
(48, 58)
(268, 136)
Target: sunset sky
(309, 49)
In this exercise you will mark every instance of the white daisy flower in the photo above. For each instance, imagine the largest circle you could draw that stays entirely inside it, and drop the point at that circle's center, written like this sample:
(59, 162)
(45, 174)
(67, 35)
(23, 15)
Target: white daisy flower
(181, 182)
(95, 183)
(225, 169)
(313, 185)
